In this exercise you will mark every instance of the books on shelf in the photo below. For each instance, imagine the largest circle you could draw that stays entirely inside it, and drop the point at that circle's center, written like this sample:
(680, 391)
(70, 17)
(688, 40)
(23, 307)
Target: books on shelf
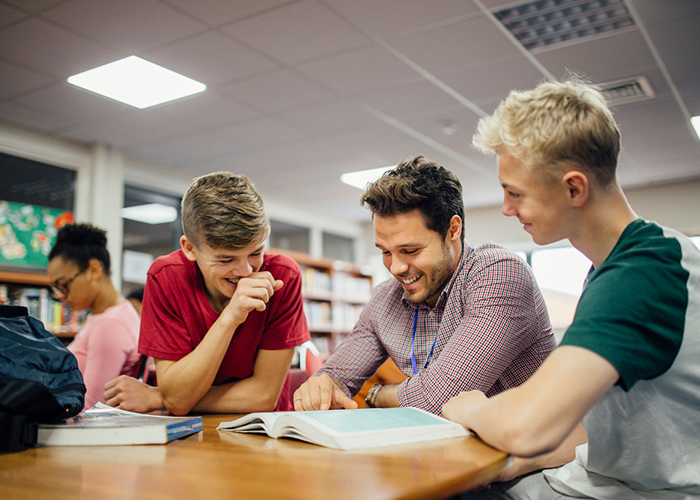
(350, 429)
(103, 425)
(57, 317)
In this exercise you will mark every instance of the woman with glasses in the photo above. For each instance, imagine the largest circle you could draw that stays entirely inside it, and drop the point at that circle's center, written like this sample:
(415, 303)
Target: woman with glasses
(79, 273)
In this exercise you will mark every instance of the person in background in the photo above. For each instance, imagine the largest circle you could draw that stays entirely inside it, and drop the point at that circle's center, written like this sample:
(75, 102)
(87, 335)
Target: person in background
(220, 316)
(136, 299)
(453, 317)
(628, 364)
(79, 273)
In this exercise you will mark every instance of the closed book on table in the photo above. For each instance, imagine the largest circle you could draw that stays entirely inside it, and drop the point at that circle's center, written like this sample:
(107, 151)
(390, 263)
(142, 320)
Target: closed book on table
(103, 425)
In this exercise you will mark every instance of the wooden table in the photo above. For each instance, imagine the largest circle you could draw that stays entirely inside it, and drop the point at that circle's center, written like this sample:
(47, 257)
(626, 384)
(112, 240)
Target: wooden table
(216, 465)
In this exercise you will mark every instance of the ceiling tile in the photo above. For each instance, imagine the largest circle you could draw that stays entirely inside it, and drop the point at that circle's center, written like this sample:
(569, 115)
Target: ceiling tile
(125, 130)
(468, 43)
(389, 18)
(359, 71)
(10, 15)
(16, 80)
(74, 104)
(216, 12)
(626, 51)
(49, 49)
(298, 32)
(207, 110)
(262, 133)
(33, 5)
(330, 117)
(672, 10)
(494, 81)
(401, 99)
(183, 150)
(210, 58)
(30, 118)
(635, 116)
(263, 91)
(679, 45)
(131, 26)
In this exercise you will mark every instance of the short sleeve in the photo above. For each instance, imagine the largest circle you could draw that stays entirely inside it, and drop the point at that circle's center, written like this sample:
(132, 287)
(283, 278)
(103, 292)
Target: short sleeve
(632, 313)
(163, 331)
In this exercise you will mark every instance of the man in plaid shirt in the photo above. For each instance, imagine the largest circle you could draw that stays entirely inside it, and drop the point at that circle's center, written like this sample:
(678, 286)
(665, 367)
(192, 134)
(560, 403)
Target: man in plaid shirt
(455, 318)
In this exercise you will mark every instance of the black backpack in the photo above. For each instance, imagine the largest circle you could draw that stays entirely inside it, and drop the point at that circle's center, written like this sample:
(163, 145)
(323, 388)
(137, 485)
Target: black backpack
(40, 382)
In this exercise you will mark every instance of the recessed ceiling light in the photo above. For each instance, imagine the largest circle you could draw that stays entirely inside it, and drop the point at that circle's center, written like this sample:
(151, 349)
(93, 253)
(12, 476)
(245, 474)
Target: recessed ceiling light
(151, 213)
(695, 122)
(136, 82)
(361, 178)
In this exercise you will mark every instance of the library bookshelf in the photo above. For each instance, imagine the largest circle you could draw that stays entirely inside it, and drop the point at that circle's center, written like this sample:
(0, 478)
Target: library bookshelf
(31, 290)
(334, 294)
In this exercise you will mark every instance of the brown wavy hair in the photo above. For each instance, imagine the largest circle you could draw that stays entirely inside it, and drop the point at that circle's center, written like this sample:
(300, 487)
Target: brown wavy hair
(417, 183)
(224, 210)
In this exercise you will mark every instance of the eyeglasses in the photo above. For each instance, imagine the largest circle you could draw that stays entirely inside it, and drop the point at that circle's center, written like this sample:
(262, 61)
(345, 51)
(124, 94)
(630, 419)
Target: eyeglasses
(62, 288)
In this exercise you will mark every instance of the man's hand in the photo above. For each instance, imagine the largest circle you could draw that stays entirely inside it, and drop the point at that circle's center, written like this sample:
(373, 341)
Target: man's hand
(252, 294)
(127, 393)
(322, 393)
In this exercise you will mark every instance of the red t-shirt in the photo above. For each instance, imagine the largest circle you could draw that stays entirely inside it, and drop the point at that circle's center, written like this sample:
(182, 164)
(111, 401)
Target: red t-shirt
(176, 316)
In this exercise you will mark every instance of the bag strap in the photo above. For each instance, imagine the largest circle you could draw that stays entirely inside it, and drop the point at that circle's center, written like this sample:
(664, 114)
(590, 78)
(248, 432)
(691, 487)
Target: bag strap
(16, 433)
(25, 397)
(13, 311)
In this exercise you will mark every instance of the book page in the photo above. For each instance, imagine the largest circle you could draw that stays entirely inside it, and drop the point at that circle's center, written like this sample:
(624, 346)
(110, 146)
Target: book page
(376, 419)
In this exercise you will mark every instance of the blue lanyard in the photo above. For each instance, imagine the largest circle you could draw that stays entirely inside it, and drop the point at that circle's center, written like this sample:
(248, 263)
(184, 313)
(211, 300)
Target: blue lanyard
(413, 345)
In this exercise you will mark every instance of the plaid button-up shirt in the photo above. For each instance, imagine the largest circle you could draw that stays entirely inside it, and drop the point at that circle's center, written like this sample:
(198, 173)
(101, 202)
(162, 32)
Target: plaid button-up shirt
(492, 329)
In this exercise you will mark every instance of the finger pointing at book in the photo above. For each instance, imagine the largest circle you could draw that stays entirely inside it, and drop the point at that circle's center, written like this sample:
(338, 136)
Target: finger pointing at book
(322, 393)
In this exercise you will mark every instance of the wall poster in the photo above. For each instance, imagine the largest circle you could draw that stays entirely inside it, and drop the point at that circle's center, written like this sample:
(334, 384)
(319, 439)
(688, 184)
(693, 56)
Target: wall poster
(28, 232)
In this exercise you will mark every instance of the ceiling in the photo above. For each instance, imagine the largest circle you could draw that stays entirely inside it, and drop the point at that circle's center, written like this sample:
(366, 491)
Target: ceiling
(302, 91)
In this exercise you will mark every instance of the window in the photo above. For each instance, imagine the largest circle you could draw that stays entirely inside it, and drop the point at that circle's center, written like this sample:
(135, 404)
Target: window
(338, 247)
(144, 241)
(289, 236)
(696, 240)
(560, 274)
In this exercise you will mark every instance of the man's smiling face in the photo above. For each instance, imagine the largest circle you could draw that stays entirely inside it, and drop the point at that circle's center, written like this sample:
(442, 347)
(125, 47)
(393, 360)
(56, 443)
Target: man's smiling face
(419, 258)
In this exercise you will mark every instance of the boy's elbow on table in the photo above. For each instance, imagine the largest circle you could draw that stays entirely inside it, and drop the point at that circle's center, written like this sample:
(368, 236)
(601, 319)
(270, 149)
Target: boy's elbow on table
(176, 407)
(523, 439)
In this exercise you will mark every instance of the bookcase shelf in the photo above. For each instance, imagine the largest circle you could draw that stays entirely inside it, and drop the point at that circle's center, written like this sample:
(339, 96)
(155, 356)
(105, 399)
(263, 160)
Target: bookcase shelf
(334, 294)
(31, 290)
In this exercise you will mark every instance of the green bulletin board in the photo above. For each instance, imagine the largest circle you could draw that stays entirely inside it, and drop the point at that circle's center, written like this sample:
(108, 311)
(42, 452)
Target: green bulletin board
(28, 232)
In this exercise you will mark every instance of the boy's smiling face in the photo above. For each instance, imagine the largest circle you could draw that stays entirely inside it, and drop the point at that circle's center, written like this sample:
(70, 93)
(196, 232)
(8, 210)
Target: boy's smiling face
(222, 268)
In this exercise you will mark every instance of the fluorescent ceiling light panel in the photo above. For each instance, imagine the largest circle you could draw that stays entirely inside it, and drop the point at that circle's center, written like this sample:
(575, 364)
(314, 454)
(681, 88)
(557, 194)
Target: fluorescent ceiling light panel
(695, 122)
(152, 213)
(361, 178)
(136, 82)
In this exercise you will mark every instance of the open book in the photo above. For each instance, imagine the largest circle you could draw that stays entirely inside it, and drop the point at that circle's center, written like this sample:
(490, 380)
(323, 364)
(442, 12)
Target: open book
(104, 425)
(350, 429)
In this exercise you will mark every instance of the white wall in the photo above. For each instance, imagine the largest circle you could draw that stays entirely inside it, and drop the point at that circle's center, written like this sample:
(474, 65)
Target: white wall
(675, 205)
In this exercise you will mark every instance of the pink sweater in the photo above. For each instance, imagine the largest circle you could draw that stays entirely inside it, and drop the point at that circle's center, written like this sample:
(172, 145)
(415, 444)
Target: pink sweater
(106, 347)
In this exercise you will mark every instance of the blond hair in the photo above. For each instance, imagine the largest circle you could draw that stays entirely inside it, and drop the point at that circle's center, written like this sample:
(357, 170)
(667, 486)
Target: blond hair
(558, 125)
(223, 210)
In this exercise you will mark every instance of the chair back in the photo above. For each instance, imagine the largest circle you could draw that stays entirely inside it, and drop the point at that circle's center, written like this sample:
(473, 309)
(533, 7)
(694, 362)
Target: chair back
(309, 358)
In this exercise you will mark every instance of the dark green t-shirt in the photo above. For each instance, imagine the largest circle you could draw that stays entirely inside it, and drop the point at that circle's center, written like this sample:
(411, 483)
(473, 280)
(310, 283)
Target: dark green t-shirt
(632, 310)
